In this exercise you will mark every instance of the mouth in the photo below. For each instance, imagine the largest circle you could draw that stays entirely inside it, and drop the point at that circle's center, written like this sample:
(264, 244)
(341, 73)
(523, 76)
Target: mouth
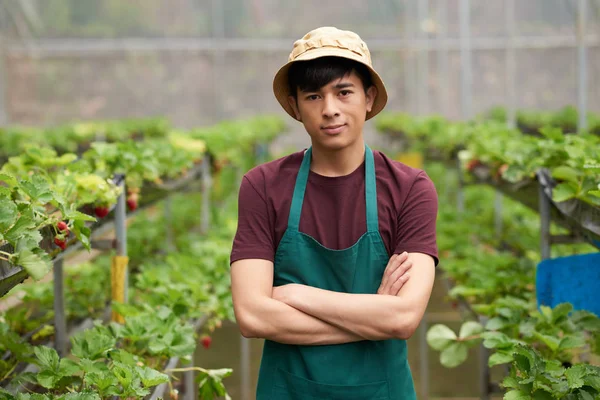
(333, 129)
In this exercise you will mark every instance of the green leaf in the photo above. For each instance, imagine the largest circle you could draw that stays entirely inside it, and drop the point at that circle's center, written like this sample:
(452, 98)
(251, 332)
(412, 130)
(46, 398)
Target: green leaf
(496, 340)
(470, 328)
(48, 379)
(564, 191)
(123, 373)
(68, 367)
(543, 395)
(454, 355)
(439, 337)
(10, 180)
(584, 395)
(151, 377)
(210, 383)
(495, 324)
(499, 358)
(8, 213)
(565, 173)
(37, 189)
(575, 376)
(551, 341)
(92, 343)
(516, 395)
(560, 311)
(36, 265)
(47, 358)
(29, 240)
(593, 381)
(510, 382)
(571, 342)
(80, 396)
(75, 215)
(24, 223)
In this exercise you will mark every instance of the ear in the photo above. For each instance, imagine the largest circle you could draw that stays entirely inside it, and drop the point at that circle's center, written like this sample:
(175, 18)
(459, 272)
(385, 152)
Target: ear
(293, 102)
(370, 97)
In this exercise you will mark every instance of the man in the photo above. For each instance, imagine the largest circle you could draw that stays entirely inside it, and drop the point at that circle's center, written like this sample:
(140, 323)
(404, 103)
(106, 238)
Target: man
(311, 267)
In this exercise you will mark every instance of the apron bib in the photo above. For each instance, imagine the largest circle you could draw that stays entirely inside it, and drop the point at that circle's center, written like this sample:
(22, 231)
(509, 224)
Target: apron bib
(365, 370)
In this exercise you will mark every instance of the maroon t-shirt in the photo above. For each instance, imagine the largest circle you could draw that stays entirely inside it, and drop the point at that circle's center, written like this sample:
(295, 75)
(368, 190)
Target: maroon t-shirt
(334, 208)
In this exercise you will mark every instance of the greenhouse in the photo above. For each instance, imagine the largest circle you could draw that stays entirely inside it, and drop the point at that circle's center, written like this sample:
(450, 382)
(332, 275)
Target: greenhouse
(198, 200)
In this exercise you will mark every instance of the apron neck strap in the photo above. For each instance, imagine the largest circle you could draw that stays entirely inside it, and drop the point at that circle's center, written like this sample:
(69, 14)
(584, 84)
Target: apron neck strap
(370, 191)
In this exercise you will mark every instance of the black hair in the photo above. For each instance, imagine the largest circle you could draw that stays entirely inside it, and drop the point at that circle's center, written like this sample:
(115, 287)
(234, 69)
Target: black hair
(310, 76)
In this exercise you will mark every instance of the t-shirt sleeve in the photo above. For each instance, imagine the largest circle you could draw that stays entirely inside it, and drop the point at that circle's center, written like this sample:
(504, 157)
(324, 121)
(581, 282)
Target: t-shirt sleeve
(417, 218)
(254, 235)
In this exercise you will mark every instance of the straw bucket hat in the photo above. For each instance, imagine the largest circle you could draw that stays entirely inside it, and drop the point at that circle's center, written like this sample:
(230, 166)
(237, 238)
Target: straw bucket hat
(328, 41)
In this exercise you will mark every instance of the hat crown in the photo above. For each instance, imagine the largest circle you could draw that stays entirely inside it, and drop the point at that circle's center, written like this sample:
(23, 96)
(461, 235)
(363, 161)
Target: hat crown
(331, 37)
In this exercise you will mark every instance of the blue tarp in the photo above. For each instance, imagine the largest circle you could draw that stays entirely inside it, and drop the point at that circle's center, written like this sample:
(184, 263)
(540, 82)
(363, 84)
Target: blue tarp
(573, 279)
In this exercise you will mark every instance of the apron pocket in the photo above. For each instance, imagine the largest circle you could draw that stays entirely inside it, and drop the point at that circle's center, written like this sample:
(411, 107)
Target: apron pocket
(291, 387)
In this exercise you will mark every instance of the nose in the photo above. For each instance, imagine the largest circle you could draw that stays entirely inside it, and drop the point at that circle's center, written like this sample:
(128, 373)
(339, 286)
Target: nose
(330, 107)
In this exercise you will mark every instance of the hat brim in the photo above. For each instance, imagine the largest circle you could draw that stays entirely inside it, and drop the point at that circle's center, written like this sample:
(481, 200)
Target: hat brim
(281, 86)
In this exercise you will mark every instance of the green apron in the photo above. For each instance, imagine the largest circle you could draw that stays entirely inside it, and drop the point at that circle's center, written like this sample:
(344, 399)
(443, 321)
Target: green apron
(365, 370)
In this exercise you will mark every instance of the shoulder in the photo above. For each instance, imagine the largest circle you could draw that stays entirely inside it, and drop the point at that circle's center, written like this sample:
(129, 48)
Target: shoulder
(273, 172)
(401, 175)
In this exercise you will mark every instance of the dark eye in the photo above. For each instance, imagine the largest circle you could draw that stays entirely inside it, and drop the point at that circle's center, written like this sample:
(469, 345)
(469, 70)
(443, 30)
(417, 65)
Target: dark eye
(345, 92)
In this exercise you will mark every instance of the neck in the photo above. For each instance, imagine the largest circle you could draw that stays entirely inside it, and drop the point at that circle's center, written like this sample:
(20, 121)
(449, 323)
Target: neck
(334, 163)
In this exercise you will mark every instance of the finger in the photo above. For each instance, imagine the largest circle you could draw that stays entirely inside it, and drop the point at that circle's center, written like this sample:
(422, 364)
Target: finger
(388, 270)
(395, 289)
(400, 269)
(395, 261)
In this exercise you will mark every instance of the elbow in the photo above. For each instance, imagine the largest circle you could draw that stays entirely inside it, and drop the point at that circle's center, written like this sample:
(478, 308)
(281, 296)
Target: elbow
(248, 326)
(404, 328)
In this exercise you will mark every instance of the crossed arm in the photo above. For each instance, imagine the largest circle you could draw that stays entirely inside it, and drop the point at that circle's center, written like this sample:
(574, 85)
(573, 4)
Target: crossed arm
(300, 314)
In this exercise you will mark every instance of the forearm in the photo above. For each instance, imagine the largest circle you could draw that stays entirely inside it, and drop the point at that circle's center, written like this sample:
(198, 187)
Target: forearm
(372, 316)
(274, 320)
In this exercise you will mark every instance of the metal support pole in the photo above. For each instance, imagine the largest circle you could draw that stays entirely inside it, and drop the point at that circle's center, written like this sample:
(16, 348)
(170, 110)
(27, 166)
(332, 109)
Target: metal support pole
(460, 195)
(511, 97)
(60, 319)
(443, 75)
(466, 63)
(424, 355)
(245, 368)
(188, 382)
(218, 21)
(409, 67)
(582, 61)
(423, 59)
(206, 185)
(498, 213)
(168, 225)
(545, 217)
(121, 233)
(4, 120)
(484, 370)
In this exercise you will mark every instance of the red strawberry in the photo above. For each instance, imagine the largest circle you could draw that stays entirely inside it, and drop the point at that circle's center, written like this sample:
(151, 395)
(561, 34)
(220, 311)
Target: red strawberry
(206, 341)
(101, 211)
(132, 200)
(472, 164)
(60, 242)
(131, 204)
(63, 227)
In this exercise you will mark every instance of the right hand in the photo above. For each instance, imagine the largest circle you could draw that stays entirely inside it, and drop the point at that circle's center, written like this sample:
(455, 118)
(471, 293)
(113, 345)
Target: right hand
(395, 274)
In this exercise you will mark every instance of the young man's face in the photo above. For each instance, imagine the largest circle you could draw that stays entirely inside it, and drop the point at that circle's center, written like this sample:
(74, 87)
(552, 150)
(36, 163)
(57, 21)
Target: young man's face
(335, 114)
